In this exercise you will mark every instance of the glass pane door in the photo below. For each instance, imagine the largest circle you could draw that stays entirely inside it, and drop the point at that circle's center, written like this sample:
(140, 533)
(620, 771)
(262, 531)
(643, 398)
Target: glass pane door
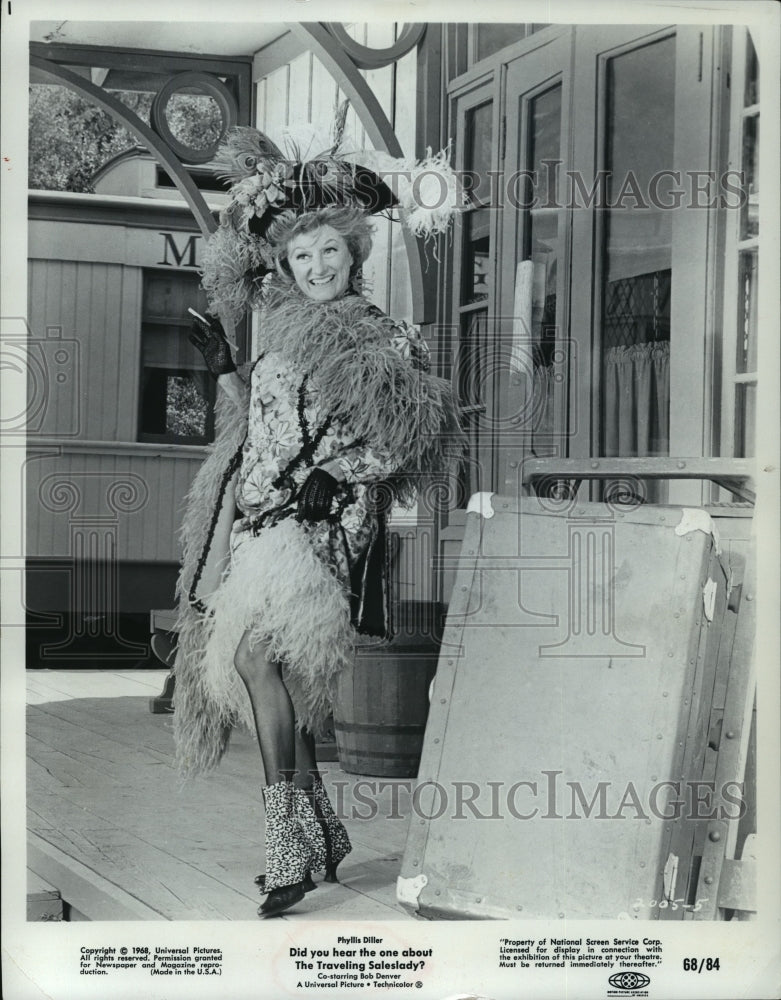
(636, 268)
(474, 294)
(533, 379)
(641, 255)
(637, 253)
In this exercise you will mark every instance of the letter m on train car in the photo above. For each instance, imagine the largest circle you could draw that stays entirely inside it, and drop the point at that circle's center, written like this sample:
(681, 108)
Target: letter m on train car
(184, 257)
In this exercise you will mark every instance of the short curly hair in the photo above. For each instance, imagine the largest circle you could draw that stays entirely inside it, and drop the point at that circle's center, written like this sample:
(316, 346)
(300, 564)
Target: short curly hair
(352, 225)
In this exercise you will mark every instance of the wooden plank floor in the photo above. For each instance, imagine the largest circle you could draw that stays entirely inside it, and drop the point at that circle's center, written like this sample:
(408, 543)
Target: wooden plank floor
(109, 817)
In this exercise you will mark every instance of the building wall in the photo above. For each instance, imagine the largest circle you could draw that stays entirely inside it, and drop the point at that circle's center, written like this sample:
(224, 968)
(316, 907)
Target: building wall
(137, 489)
(97, 305)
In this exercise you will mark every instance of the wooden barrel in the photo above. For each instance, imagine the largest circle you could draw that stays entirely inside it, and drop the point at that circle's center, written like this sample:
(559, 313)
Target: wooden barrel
(382, 702)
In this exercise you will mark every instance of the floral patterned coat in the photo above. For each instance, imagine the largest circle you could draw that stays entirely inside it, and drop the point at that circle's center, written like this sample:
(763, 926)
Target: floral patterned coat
(289, 433)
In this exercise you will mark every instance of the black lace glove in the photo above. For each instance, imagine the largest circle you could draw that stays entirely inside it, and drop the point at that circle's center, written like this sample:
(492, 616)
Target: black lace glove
(316, 495)
(210, 341)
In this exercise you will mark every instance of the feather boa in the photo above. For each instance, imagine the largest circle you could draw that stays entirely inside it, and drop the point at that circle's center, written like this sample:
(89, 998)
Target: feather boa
(279, 590)
(347, 346)
(201, 731)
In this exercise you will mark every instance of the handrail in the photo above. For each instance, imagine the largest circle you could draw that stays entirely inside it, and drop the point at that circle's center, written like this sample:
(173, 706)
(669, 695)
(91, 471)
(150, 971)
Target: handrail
(733, 474)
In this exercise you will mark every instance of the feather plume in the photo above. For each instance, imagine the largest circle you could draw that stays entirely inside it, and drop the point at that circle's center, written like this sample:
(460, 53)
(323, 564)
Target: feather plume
(340, 120)
(305, 141)
(233, 267)
(428, 191)
(432, 196)
(243, 150)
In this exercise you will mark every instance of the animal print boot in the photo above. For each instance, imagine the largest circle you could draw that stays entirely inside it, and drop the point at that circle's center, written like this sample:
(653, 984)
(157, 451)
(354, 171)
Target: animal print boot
(303, 799)
(288, 851)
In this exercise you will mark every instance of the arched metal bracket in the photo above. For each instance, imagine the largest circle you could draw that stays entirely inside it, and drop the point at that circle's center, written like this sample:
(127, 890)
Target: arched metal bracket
(366, 57)
(54, 73)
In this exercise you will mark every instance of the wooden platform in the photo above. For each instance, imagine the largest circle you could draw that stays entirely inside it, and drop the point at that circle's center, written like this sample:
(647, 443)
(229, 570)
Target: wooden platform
(115, 830)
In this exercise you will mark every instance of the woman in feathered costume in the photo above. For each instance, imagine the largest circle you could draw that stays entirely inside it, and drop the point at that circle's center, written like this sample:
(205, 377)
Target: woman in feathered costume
(337, 417)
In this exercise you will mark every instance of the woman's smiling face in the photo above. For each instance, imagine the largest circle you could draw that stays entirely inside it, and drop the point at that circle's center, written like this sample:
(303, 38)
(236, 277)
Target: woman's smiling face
(320, 261)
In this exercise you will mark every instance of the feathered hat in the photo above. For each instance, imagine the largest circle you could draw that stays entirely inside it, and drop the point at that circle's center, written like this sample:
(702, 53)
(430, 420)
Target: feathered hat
(265, 182)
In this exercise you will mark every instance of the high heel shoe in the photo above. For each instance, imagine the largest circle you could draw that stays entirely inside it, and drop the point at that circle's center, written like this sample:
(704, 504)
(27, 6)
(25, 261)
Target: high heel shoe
(279, 900)
(289, 855)
(308, 882)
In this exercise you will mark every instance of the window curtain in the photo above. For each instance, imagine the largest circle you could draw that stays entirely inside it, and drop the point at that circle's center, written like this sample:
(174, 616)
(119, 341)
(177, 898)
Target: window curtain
(636, 398)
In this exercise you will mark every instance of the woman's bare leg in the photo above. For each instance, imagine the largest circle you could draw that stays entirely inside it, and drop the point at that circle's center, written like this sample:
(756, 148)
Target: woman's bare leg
(306, 764)
(272, 709)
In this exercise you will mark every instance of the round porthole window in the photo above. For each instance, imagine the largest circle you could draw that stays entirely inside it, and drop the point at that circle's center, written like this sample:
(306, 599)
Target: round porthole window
(191, 113)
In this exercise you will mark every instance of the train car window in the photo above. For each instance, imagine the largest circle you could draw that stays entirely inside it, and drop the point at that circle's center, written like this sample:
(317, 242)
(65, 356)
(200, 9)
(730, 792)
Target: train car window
(177, 393)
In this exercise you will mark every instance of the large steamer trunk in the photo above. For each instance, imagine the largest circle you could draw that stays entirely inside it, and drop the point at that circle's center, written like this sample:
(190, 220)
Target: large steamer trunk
(570, 761)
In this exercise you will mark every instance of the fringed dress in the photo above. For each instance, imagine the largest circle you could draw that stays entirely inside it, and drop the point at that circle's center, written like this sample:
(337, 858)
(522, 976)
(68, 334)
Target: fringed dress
(335, 382)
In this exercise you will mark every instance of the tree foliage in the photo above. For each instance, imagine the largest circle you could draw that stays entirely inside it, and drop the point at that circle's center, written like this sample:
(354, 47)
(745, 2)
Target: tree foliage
(194, 119)
(70, 138)
(185, 408)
